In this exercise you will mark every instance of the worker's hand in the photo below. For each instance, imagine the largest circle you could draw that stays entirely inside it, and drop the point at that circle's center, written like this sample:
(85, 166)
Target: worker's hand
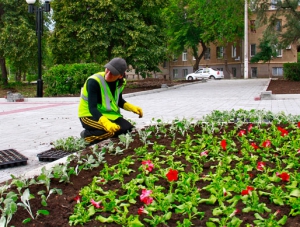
(134, 109)
(108, 125)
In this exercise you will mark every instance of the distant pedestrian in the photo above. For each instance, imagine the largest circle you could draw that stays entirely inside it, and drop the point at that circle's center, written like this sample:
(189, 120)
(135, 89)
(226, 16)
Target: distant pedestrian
(100, 103)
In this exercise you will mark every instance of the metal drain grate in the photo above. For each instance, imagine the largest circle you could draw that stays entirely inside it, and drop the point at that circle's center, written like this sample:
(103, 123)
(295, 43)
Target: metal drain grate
(52, 155)
(11, 158)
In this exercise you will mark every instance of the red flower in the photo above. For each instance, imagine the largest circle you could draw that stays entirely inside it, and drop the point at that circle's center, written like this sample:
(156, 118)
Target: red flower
(284, 176)
(172, 175)
(77, 198)
(247, 190)
(260, 166)
(242, 132)
(250, 127)
(148, 165)
(254, 145)
(298, 124)
(283, 131)
(223, 144)
(267, 143)
(142, 210)
(145, 196)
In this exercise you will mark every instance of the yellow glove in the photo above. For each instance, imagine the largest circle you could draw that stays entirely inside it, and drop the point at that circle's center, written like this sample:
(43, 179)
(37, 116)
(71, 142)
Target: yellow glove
(108, 125)
(134, 109)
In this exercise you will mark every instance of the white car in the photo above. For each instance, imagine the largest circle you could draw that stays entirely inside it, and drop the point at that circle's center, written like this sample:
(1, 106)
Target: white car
(205, 73)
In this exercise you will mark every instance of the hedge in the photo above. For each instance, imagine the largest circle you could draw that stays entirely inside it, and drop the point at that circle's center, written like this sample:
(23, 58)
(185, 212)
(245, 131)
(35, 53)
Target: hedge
(68, 79)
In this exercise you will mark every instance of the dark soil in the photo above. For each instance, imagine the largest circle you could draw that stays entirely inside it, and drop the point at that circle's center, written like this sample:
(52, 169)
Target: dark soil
(61, 206)
(284, 87)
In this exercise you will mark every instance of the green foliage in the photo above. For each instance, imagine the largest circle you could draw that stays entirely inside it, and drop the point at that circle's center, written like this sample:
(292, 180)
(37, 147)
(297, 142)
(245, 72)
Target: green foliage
(284, 10)
(97, 31)
(70, 144)
(266, 53)
(191, 23)
(292, 71)
(68, 79)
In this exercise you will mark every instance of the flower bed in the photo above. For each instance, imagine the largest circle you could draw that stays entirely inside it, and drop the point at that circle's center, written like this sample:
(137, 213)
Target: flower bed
(238, 168)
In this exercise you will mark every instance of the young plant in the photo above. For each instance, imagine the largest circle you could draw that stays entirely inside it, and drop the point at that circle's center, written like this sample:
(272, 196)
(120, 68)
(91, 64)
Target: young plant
(26, 196)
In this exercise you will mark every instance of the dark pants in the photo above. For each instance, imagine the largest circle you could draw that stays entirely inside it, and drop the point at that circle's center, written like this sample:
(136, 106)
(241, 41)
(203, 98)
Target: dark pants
(94, 131)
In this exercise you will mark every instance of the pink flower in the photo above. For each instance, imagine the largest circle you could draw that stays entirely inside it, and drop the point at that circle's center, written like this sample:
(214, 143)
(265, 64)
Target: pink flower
(298, 151)
(142, 210)
(96, 204)
(145, 196)
(283, 131)
(223, 144)
(250, 126)
(242, 132)
(284, 176)
(204, 153)
(77, 198)
(267, 143)
(254, 145)
(172, 175)
(260, 166)
(148, 165)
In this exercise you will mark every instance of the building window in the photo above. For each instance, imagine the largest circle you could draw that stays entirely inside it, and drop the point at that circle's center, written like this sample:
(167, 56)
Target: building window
(220, 52)
(277, 71)
(184, 72)
(174, 57)
(252, 50)
(253, 72)
(165, 64)
(278, 26)
(233, 51)
(175, 73)
(279, 53)
(207, 54)
(273, 4)
(252, 26)
(184, 56)
(234, 71)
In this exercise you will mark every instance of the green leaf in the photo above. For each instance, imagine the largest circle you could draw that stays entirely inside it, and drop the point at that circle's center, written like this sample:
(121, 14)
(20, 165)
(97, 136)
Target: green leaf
(283, 220)
(44, 212)
(104, 220)
(135, 223)
(26, 220)
(295, 192)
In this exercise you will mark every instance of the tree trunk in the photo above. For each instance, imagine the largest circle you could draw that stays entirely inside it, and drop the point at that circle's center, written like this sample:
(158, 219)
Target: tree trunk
(3, 71)
(198, 58)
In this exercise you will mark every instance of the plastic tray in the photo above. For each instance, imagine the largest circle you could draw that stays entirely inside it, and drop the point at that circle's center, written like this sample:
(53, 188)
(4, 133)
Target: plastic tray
(52, 155)
(11, 158)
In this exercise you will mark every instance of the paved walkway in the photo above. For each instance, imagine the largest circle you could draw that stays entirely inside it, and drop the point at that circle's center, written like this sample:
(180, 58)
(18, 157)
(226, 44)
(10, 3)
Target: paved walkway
(29, 127)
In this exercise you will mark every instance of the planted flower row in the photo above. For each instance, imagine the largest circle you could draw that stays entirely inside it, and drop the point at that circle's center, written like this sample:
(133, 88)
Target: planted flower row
(183, 173)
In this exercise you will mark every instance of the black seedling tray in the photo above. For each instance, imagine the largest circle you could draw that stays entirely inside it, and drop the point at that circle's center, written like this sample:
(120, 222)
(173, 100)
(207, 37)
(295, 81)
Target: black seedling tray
(11, 158)
(52, 155)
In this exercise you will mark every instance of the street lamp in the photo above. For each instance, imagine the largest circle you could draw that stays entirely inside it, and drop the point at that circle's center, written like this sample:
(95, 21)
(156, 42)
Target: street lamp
(39, 32)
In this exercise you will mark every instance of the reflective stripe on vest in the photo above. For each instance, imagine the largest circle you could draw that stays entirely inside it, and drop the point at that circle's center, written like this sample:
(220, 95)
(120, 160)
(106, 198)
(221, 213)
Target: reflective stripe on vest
(109, 107)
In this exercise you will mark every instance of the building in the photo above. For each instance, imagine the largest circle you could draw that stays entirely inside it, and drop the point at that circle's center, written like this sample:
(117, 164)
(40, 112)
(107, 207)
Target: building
(215, 57)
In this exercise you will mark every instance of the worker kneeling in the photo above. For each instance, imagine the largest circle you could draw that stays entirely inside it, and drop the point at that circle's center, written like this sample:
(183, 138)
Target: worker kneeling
(100, 103)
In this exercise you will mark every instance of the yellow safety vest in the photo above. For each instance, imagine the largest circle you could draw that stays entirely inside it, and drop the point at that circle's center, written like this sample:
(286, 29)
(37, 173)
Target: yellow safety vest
(109, 107)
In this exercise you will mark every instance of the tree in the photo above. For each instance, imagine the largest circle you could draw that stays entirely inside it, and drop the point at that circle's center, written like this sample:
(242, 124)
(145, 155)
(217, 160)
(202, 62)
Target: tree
(287, 9)
(200, 22)
(96, 31)
(268, 51)
(17, 39)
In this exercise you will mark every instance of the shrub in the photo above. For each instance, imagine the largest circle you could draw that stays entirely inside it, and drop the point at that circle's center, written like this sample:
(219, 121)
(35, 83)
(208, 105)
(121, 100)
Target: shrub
(69, 78)
(292, 71)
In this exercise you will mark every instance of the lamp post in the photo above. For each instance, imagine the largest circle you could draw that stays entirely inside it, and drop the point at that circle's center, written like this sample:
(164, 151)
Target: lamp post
(39, 32)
